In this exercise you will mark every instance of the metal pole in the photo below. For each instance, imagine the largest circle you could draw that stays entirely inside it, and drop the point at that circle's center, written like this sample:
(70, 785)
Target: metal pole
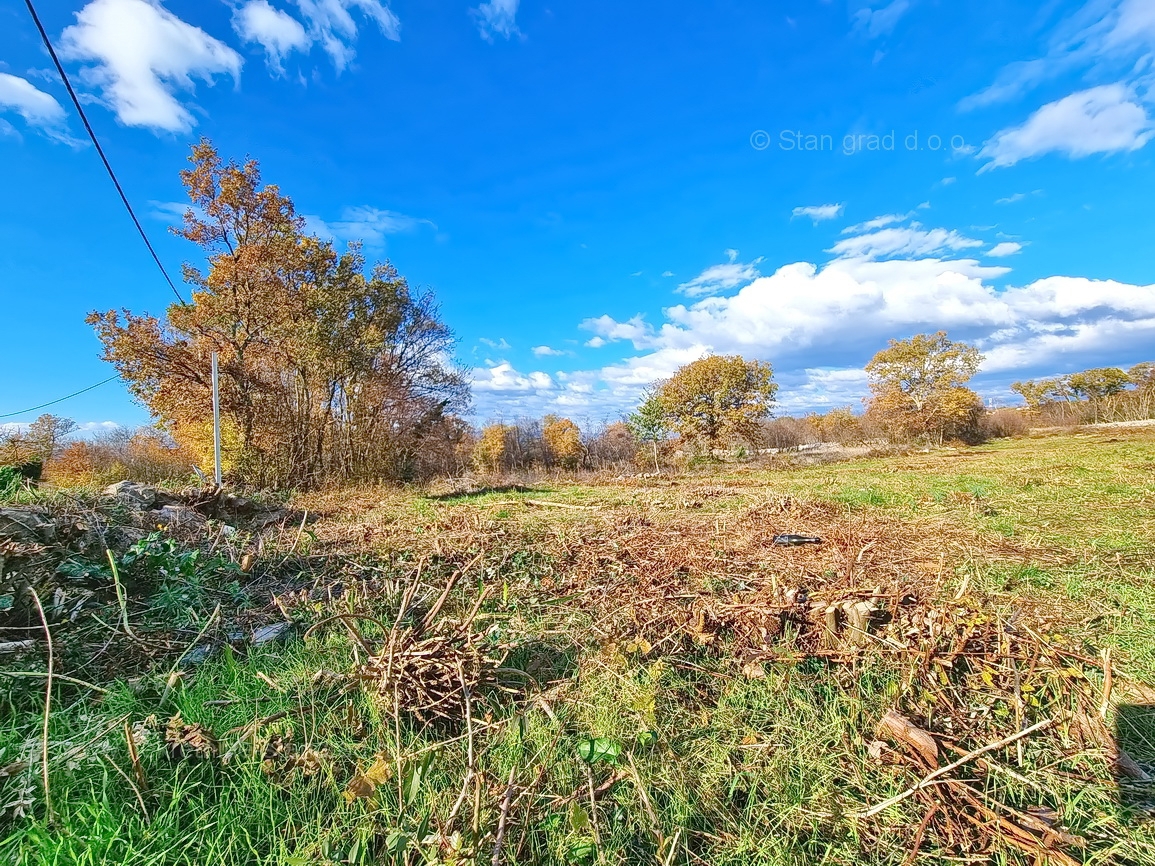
(216, 422)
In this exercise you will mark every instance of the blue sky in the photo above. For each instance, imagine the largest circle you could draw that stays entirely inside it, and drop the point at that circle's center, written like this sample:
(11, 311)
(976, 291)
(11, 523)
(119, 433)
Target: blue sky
(599, 192)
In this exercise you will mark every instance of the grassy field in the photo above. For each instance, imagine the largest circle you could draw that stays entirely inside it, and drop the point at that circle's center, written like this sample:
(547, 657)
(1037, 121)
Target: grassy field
(625, 671)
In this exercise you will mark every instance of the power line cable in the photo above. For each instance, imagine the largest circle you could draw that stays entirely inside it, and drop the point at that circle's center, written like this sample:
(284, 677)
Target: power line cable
(99, 149)
(60, 399)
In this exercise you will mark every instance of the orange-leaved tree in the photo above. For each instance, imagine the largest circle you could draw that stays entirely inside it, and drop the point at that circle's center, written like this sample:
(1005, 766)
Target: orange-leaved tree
(329, 369)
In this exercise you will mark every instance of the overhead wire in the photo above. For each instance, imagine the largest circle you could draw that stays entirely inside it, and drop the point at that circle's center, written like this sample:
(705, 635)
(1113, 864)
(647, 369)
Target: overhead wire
(59, 399)
(99, 149)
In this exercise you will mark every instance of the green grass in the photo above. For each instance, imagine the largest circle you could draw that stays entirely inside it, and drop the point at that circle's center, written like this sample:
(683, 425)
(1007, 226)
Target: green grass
(703, 763)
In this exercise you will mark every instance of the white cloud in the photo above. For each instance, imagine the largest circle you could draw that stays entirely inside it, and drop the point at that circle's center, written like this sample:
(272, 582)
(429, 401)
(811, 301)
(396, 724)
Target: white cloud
(608, 330)
(502, 377)
(1104, 36)
(39, 109)
(143, 55)
(911, 241)
(876, 223)
(880, 22)
(1006, 248)
(331, 25)
(546, 351)
(819, 325)
(667, 273)
(1104, 119)
(819, 213)
(719, 278)
(1012, 199)
(367, 224)
(278, 32)
(501, 344)
(497, 18)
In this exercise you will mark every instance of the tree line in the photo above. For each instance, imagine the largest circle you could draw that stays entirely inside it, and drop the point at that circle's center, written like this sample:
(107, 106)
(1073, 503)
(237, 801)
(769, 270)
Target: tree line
(333, 369)
(1099, 394)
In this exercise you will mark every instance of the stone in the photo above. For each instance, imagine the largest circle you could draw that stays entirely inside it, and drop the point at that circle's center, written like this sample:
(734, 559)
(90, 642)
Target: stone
(268, 633)
(179, 517)
(133, 494)
(19, 524)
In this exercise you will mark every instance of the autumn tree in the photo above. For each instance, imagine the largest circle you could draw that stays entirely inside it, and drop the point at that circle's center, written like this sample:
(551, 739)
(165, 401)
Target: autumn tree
(563, 441)
(838, 425)
(648, 424)
(718, 399)
(492, 448)
(918, 388)
(330, 369)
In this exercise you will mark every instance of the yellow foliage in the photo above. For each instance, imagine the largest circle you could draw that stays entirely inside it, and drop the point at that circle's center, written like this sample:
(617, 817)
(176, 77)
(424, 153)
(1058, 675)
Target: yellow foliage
(564, 441)
(719, 398)
(490, 451)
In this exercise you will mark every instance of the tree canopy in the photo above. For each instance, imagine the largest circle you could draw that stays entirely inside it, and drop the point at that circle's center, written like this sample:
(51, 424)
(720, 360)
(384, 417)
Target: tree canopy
(918, 387)
(718, 399)
(329, 368)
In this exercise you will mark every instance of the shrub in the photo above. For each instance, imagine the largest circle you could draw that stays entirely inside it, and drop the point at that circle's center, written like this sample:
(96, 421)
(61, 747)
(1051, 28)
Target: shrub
(1004, 424)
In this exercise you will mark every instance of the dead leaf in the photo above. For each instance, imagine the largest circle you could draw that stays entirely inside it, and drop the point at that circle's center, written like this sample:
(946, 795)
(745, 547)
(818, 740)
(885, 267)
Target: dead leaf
(365, 784)
(753, 671)
(13, 769)
(184, 740)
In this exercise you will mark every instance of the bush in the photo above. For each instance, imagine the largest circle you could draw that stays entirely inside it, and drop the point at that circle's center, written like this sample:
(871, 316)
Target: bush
(788, 433)
(1004, 424)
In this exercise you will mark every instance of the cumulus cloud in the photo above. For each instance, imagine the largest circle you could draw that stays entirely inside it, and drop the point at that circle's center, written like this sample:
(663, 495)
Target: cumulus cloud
(908, 241)
(503, 378)
(1106, 119)
(819, 213)
(369, 225)
(275, 30)
(497, 18)
(819, 325)
(546, 351)
(1006, 248)
(142, 56)
(331, 25)
(608, 330)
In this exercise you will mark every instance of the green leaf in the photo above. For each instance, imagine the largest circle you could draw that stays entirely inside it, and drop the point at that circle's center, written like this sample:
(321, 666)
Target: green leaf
(599, 750)
(579, 818)
(582, 852)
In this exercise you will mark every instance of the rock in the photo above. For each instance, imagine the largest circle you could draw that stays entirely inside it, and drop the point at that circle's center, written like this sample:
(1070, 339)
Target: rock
(268, 633)
(19, 524)
(133, 494)
(179, 517)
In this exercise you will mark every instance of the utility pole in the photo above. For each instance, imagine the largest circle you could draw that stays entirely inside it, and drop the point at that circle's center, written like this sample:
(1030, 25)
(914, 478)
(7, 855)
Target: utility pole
(216, 422)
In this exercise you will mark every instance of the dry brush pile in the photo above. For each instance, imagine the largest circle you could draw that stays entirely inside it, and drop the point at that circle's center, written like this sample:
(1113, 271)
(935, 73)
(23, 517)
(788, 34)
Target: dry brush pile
(983, 674)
